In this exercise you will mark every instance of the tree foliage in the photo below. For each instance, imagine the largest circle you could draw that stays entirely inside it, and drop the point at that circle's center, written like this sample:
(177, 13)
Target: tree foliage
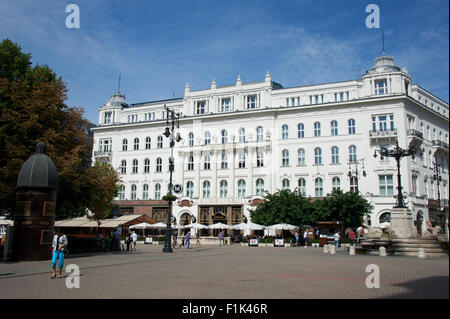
(33, 109)
(289, 207)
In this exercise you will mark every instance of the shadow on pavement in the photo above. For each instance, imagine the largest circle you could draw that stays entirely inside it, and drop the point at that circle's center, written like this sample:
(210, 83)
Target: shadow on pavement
(430, 287)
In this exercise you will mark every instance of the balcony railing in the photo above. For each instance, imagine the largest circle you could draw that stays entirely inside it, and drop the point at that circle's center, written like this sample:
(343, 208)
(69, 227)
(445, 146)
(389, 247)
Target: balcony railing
(440, 144)
(415, 133)
(102, 153)
(385, 133)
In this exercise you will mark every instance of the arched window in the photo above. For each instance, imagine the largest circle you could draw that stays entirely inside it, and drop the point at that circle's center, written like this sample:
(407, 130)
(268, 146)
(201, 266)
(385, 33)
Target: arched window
(136, 144)
(224, 137)
(354, 184)
(190, 166)
(191, 139)
(133, 191)
(146, 165)
(190, 189)
(260, 158)
(145, 192)
(241, 188)
(224, 162)
(207, 138)
(124, 144)
(285, 184)
(223, 189)
(122, 192)
(319, 187)
(207, 162)
(285, 132)
(159, 165)
(385, 217)
(351, 127)
(318, 156)
(259, 187)
(123, 167)
(317, 129)
(285, 157)
(241, 135)
(259, 134)
(302, 186)
(352, 154)
(148, 143)
(334, 128)
(157, 191)
(206, 189)
(160, 142)
(301, 157)
(301, 130)
(336, 183)
(135, 166)
(335, 155)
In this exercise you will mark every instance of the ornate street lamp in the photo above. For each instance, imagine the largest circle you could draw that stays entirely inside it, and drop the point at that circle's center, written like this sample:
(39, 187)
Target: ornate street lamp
(437, 178)
(169, 132)
(397, 153)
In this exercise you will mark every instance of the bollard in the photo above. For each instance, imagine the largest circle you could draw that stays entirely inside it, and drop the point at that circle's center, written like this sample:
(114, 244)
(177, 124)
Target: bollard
(421, 253)
(352, 250)
(326, 249)
(332, 249)
(382, 251)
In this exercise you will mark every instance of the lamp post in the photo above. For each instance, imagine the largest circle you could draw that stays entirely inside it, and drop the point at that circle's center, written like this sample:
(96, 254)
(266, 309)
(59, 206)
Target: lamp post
(355, 172)
(169, 132)
(398, 153)
(437, 178)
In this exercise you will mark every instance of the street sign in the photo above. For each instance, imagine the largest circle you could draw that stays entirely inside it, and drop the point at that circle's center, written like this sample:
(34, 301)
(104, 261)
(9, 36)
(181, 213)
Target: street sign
(177, 188)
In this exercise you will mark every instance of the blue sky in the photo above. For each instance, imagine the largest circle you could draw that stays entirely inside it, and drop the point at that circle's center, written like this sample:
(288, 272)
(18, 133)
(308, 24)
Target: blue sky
(158, 46)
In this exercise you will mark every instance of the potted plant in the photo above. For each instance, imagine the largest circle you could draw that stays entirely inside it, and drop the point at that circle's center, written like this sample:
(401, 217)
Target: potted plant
(269, 242)
(315, 243)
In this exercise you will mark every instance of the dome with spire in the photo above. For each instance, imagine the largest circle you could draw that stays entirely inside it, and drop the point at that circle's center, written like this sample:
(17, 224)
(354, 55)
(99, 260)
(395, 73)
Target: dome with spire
(383, 64)
(117, 100)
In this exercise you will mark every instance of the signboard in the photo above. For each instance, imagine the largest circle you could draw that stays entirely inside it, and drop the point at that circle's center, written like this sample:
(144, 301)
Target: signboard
(253, 242)
(148, 240)
(279, 242)
(177, 188)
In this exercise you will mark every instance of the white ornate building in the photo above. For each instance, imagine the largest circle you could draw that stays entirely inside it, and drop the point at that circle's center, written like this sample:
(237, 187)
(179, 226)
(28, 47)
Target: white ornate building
(243, 139)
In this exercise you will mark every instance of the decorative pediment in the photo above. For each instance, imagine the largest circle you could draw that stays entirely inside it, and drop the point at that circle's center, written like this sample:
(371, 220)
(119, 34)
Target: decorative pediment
(185, 203)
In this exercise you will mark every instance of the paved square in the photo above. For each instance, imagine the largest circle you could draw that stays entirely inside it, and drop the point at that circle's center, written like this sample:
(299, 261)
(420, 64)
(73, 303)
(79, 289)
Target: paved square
(229, 272)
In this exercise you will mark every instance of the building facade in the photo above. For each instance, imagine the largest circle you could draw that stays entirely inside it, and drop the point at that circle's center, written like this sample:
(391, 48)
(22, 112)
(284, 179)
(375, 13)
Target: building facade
(241, 140)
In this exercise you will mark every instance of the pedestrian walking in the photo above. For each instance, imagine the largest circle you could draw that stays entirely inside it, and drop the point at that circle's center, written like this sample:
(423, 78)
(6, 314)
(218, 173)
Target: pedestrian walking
(128, 240)
(337, 238)
(134, 238)
(59, 249)
(220, 239)
(297, 238)
(188, 238)
(360, 233)
(174, 241)
(197, 236)
(352, 237)
(182, 241)
(305, 238)
(116, 240)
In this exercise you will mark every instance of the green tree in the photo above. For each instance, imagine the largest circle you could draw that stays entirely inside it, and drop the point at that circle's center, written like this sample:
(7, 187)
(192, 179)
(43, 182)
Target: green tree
(33, 109)
(348, 208)
(283, 206)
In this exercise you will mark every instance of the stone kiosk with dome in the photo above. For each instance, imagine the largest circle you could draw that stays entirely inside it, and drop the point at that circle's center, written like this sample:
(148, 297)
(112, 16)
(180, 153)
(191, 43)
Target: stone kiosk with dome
(34, 216)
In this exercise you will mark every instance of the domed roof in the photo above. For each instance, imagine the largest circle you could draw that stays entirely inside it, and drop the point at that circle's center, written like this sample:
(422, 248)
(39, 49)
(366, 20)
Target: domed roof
(383, 64)
(38, 171)
(117, 100)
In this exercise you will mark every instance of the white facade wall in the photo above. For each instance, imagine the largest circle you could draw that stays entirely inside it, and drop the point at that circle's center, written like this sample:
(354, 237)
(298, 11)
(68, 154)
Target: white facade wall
(275, 107)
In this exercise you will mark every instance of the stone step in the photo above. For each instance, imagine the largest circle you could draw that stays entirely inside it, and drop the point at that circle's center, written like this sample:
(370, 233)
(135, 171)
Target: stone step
(375, 252)
(436, 245)
(407, 249)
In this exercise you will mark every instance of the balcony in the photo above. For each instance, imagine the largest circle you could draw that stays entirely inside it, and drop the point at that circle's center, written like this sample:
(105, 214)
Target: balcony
(103, 156)
(415, 133)
(387, 135)
(440, 146)
(415, 139)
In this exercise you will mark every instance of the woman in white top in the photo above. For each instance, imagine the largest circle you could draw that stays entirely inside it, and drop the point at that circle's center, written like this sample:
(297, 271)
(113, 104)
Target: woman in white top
(59, 247)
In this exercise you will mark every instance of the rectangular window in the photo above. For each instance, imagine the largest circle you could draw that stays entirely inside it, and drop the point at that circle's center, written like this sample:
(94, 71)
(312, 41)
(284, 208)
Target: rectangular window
(201, 107)
(107, 119)
(251, 101)
(386, 185)
(226, 104)
(382, 121)
(381, 87)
